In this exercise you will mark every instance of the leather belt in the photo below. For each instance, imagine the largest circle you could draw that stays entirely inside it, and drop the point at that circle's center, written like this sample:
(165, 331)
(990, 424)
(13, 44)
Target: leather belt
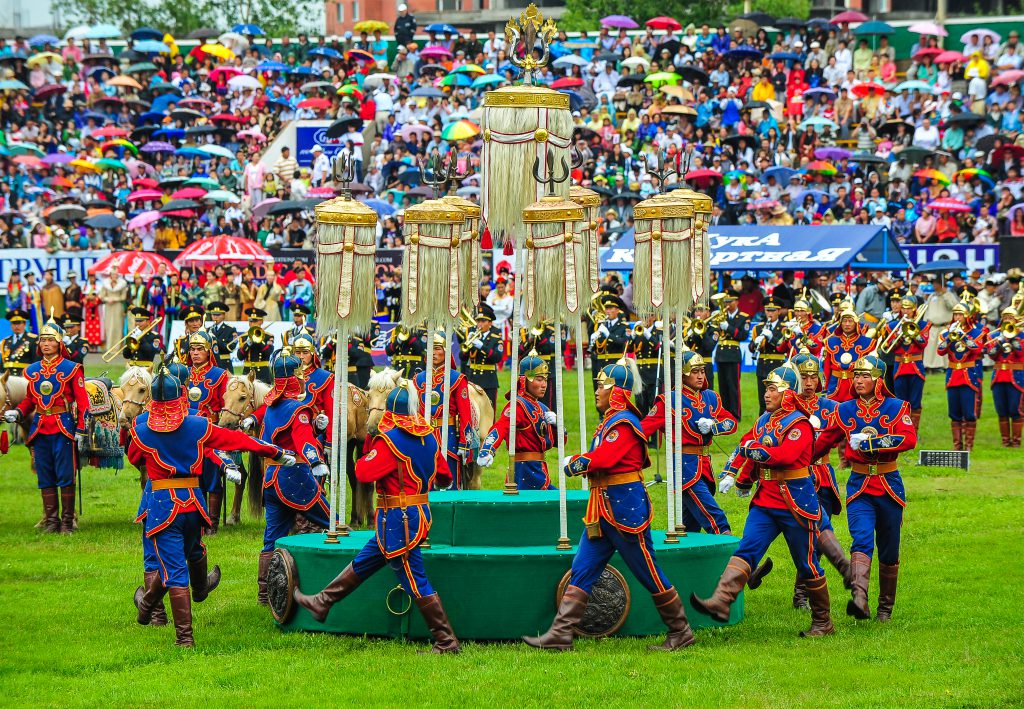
(786, 474)
(175, 483)
(890, 466)
(390, 502)
(961, 365)
(53, 410)
(1011, 366)
(258, 364)
(529, 457)
(695, 450)
(773, 357)
(907, 359)
(844, 375)
(651, 361)
(616, 479)
(483, 367)
(730, 343)
(436, 421)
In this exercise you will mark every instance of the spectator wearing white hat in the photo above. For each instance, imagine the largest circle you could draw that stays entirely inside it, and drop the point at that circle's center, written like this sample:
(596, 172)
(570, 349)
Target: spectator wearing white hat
(321, 166)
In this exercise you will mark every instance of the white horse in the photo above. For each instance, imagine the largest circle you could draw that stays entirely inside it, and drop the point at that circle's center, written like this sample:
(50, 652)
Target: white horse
(133, 391)
(244, 394)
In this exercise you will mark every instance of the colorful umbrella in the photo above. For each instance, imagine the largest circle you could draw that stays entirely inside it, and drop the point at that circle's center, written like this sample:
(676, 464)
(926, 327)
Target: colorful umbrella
(487, 80)
(371, 26)
(460, 130)
(361, 55)
(157, 146)
(972, 172)
(469, 69)
(622, 22)
(929, 28)
(222, 249)
(435, 50)
(927, 52)
(119, 143)
(217, 50)
(317, 104)
(662, 77)
(567, 82)
(189, 193)
(948, 204)
(931, 174)
(845, 18)
(110, 164)
(1009, 77)
(84, 166)
(109, 132)
(664, 23)
(42, 59)
(821, 167)
(147, 195)
(949, 56)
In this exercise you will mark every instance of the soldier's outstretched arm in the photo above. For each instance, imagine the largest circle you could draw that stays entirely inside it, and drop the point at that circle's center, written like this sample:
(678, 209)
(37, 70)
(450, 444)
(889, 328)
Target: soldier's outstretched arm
(226, 439)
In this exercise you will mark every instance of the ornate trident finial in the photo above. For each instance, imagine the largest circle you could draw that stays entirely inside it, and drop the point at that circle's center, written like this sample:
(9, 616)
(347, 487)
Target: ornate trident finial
(578, 160)
(663, 171)
(343, 170)
(451, 171)
(551, 180)
(438, 175)
(522, 36)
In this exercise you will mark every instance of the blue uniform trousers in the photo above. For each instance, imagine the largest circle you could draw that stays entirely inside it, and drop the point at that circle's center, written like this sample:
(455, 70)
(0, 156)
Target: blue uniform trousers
(826, 501)
(281, 516)
(701, 512)
(910, 388)
(875, 519)
(764, 524)
(55, 460)
(530, 475)
(209, 480)
(176, 545)
(1007, 400)
(408, 568)
(149, 559)
(962, 403)
(637, 550)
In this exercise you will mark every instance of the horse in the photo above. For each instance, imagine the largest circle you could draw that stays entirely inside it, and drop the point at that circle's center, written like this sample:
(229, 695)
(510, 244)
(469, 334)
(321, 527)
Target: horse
(133, 394)
(244, 394)
(387, 379)
(14, 389)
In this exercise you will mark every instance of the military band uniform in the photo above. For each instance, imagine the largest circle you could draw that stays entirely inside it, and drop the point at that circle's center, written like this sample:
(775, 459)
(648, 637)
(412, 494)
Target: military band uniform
(542, 342)
(1007, 384)
(608, 343)
(18, 351)
(729, 359)
(645, 344)
(256, 357)
(150, 345)
(77, 348)
(360, 360)
(909, 373)
(407, 351)
(963, 384)
(482, 353)
(227, 341)
(769, 348)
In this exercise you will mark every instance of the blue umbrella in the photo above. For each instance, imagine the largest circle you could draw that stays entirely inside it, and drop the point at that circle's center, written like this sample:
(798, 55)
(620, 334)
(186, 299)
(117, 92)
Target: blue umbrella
(427, 92)
(874, 28)
(744, 52)
(271, 66)
(486, 80)
(781, 174)
(97, 70)
(161, 103)
(252, 30)
(103, 31)
(171, 133)
(283, 103)
(146, 33)
(154, 117)
(459, 79)
(785, 56)
(42, 39)
(384, 209)
(95, 115)
(164, 87)
(441, 27)
(820, 92)
(817, 194)
(151, 46)
(942, 266)
(190, 152)
(302, 71)
(325, 52)
(12, 85)
(575, 100)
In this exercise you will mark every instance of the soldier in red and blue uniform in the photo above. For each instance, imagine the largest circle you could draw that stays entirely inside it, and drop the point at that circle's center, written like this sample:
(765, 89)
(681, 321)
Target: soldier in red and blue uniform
(908, 358)
(963, 379)
(540, 341)
(535, 428)
(57, 401)
(286, 419)
(776, 454)
(979, 332)
(405, 456)
(318, 383)
(206, 386)
(703, 418)
(1004, 347)
(618, 516)
(874, 428)
(840, 350)
(462, 438)
(173, 446)
(808, 333)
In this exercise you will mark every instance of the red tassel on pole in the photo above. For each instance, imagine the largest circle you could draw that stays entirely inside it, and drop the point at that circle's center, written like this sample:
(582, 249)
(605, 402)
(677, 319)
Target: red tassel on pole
(508, 250)
(486, 243)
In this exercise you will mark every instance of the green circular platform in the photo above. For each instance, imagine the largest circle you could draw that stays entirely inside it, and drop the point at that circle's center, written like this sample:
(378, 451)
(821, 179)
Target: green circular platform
(493, 560)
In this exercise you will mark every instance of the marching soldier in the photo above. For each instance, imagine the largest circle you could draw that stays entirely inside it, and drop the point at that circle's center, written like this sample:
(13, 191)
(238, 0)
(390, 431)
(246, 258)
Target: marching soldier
(142, 347)
(963, 382)
(807, 332)
(703, 419)
(535, 428)
(768, 345)
(318, 384)
(206, 386)
(256, 348)
(482, 352)
(733, 329)
(874, 428)
(888, 324)
(775, 454)
(539, 341)
(403, 460)
(610, 337)
(703, 340)
(360, 358)
(908, 356)
(224, 335)
(1004, 347)
(19, 349)
(841, 350)
(300, 320)
(645, 344)
(173, 446)
(407, 350)
(462, 438)
(979, 332)
(75, 344)
(57, 401)
(618, 520)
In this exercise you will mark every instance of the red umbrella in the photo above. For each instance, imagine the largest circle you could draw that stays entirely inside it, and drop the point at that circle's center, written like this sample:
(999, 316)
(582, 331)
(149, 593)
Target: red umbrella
(226, 118)
(145, 182)
(110, 132)
(948, 204)
(49, 90)
(1008, 77)
(663, 23)
(318, 104)
(999, 154)
(222, 249)
(145, 195)
(130, 263)
(928, 52)
(189, 193)
(567, 82)
(703, 177)
(183, 213)
(847, 17)
(868, 87)
(58, 181)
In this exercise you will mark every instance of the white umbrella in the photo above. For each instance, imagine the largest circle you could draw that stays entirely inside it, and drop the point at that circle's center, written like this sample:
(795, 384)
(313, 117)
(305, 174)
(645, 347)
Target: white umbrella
(635, 62)
(378, 79)
(234, 41)
(981, 34)
(222, 196)
(77, 32)
(218, 150)
(244, 81)
(570, 60)
(103, 31)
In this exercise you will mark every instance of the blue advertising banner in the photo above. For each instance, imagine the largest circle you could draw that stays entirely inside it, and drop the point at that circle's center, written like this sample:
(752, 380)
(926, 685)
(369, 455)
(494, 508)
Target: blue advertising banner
(308, 136)
(976, 256)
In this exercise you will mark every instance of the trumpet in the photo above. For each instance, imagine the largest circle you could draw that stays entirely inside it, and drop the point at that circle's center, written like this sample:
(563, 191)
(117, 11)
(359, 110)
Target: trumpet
(401, 333)
(955, 333)
(129, 343)
(1009, 330)
(466, 325)
(255, 334)
(637, 328)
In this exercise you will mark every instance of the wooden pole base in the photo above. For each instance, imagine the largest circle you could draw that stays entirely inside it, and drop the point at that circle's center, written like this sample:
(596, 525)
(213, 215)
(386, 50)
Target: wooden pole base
(563, 544)
(671, 538)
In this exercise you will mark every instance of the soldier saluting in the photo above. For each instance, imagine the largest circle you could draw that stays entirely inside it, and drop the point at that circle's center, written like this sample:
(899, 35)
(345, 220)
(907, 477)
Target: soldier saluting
(18, 350)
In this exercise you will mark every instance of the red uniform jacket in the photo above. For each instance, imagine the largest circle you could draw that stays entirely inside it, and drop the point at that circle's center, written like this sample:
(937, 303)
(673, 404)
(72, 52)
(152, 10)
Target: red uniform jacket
(66, 379)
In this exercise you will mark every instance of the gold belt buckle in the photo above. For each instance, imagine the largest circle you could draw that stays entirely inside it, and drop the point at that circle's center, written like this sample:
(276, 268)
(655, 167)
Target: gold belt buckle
(872, 468)
(766, 475)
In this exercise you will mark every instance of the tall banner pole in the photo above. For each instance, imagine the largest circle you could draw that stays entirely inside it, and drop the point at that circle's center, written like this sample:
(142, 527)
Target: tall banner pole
(517, 310)
(581, 375)
(670, 477)
(563, 517)
(680, 526)
(337, 497)
(446, 406)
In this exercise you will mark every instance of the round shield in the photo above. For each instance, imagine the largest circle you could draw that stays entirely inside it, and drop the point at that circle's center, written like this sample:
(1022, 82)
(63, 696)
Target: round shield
(46, 388)
(608, 606)
(195, 393)
(282, 580)
(845, 358)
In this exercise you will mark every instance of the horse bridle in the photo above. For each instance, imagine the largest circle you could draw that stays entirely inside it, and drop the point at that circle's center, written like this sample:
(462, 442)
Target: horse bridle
(251, 405)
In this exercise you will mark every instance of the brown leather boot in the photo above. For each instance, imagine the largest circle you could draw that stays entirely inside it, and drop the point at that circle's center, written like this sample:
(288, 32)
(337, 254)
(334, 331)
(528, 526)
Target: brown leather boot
(445, 641)
(970, 427)
(1016, 426)
(821, 619)
(51, 509)
(958, 435)
(213, 503)
(1004, 432)
(762, 570)
(261, 580)
(860, 573)
(67, 516)
(320, 604)
(729, 586)
(202, 582)
(800, 596)
(832, 550)
(670, 607)
(887, 575)
(148, 597)
(570, 612)
(181, 609)
(915, 418)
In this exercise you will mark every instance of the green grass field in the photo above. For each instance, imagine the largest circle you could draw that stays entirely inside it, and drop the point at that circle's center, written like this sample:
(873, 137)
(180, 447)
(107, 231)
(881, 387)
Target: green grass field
(68, 635)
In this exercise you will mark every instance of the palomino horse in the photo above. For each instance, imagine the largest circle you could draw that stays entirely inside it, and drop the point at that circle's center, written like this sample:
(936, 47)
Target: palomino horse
(387, 379)
(242, 396)
(133, 392)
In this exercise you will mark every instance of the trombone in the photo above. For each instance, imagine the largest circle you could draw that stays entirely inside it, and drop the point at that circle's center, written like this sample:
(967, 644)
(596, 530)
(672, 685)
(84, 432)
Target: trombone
(129, 343)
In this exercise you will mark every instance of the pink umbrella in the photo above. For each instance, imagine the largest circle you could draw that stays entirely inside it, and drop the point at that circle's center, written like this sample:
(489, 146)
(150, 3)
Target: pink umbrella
(131, 263)
(847, 17)
(260, 210)
(948, 204)
(929, 28)
(182, 213)
(1006, 77)
(143, 220)
(619, 22)
(189, 193)
(436, 51)
(321, 192)
(222, 249)
(409, 132)
(223, 73)
(145, 195)
(252, 133)
(949, 56)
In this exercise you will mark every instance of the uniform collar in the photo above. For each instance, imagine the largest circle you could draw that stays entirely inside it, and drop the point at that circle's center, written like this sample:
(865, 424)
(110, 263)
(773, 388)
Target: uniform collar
(198, 371)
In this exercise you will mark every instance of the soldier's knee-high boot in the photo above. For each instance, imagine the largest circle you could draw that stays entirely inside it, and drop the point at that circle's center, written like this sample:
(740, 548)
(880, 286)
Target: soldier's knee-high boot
(729, 587)
(261, 580)
(67, 512)
(181, 610)
(970, 427)
(445, 641)
(915, 418)
(149, 600)
(957, 428)
(821, 619)
(887, 575)
(51, 509)
(800, 595)
(570, 612)
(320, 604)
(202, 582)
(670, 608)
(1016, 426)
(213, 502)
(860, 573)
(762, 570)
(1004, 432)
(832, 550)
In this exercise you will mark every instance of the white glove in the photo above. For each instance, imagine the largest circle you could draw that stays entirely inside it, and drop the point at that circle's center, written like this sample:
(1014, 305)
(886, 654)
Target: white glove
(726, 484)
(248, 423)
(566, 460)
(658, 324)
(477, 343)
(550, 417)
(485, 460)
(232, 474)
(12, 416)
(723, 326)
(320, 470)
(759, 340)
(797, 329)
(80, 441)
(604, 332)
(704, 425)
(320, 422)
(857, 440)
(67, 340)
(286, 459)
(768, 332)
